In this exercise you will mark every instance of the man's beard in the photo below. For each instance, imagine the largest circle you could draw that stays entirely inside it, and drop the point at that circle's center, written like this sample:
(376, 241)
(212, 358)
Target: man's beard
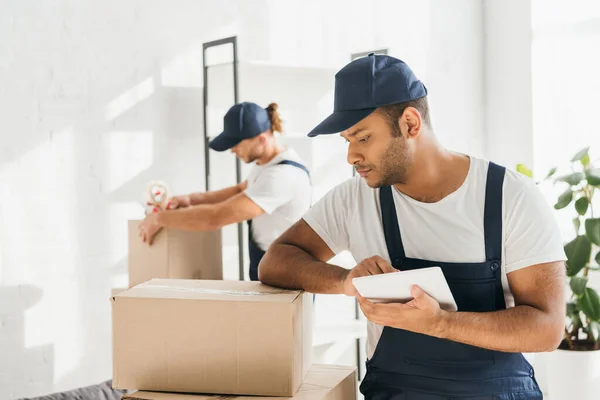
(394, 165)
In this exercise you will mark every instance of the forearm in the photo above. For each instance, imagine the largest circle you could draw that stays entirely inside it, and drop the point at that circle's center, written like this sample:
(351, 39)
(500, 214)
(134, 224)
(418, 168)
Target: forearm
(518, 329)
(291, 267)
(216, 196)
(196, 218)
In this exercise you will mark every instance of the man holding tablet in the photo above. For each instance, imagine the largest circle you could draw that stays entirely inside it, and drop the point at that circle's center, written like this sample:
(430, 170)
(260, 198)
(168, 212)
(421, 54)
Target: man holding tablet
(418, 205)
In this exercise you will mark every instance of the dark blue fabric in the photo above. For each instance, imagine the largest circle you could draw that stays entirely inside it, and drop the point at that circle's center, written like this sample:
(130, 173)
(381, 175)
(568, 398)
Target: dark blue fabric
(365, 84)
(255, 253)
(493, 218)
(242, 121)
(409, 365)
(295, 164)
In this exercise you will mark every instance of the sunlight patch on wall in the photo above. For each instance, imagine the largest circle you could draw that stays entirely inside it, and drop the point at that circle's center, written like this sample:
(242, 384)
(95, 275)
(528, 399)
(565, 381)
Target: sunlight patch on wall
(126, 154)
(127, 100)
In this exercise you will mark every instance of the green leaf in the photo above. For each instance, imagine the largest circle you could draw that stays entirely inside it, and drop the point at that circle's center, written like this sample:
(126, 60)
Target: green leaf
(589, 304)
(572, 179)
(572, 308)
(564, 199)
(578, 284)
(592, 230)
(593, 176)
(578, 254)
(581, 205)
(521, 168)
(551, 172)
(577, 224)
(585, 161)
(580, 154)
(598, 257)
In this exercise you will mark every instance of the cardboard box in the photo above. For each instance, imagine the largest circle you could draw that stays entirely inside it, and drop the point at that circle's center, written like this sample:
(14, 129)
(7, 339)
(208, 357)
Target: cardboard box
(323, 382)
(116, 291)
(200, 336)
(174, 254)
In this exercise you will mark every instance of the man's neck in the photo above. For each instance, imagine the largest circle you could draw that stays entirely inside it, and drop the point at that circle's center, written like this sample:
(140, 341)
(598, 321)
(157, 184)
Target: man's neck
(270, 154)
(436, 174)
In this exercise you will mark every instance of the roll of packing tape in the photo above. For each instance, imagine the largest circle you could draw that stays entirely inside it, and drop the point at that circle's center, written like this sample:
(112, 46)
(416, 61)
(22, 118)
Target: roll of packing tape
(158, 197)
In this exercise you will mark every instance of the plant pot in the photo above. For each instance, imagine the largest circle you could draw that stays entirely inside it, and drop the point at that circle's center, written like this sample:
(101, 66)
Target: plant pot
(573, 375)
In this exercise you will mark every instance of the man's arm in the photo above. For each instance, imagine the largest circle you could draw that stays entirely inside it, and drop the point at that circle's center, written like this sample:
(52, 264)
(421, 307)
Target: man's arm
(535, 324)
(296, 260)
(206, 217)
(203, 217)
(212, 197)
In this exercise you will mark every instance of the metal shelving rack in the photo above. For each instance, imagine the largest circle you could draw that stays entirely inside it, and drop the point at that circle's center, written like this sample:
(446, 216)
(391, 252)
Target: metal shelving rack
(238, 167)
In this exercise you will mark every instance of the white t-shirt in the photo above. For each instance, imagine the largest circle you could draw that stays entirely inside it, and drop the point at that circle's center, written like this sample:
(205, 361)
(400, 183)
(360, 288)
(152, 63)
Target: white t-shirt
(450, 230)
(282, 191)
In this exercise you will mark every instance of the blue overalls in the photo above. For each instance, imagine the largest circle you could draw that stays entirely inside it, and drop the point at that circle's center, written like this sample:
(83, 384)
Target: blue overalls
(255, 252)
(412, 366)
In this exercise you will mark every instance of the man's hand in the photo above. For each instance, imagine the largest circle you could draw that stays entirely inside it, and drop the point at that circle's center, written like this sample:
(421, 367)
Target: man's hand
(149, 228)
(178, 202)
(422, 314)
(369, 266)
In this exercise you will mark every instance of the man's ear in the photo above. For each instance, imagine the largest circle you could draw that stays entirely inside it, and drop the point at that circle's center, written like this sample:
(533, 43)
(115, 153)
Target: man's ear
(412, 121)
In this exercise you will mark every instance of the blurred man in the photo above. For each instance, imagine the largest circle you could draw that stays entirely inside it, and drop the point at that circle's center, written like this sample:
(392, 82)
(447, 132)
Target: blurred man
(275, 195)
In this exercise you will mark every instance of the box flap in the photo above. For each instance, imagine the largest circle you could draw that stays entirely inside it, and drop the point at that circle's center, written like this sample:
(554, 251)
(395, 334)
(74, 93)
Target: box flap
(116, 291)
(210, 290)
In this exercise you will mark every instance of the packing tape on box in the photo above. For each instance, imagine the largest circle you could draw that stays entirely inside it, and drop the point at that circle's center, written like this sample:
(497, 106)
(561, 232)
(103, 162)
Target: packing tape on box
(212, 291)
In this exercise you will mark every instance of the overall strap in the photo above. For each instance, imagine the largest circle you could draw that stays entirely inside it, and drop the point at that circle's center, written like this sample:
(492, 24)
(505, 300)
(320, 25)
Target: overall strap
(294, 164)
(492, 226)
(391, 229)
(492, 215)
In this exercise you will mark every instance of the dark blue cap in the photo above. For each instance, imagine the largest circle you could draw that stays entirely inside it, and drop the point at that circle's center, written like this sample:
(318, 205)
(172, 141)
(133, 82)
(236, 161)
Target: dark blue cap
(365, 84)
(242, 121)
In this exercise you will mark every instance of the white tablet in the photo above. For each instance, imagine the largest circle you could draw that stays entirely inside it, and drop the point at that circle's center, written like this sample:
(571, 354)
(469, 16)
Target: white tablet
(395, 287)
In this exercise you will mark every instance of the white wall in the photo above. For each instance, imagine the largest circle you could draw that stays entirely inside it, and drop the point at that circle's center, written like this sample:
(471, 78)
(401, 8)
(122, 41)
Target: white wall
(566, 84)
(507, 65)
(97, 98)
(565, 87)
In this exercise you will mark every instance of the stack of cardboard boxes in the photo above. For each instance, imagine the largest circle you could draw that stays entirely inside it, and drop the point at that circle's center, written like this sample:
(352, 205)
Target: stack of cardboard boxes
(182, 333)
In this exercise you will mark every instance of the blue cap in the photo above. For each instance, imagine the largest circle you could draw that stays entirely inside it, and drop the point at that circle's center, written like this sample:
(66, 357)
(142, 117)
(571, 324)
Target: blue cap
(365, 84)
(242, 121)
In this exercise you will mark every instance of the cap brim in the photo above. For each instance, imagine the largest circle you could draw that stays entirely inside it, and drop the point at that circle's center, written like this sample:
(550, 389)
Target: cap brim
(339, 121)
(224, 142)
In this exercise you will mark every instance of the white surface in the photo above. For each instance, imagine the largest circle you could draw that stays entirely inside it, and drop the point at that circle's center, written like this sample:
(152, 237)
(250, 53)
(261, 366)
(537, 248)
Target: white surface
(508, 79)
(565, 67)
(573, 375)
(396, 287)
(327, 333)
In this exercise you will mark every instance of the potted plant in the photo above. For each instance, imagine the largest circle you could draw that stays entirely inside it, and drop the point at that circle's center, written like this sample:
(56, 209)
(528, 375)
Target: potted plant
(573, 371)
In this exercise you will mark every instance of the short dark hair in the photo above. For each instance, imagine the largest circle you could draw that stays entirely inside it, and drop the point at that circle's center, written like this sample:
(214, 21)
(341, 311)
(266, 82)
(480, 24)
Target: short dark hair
(393, 112)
